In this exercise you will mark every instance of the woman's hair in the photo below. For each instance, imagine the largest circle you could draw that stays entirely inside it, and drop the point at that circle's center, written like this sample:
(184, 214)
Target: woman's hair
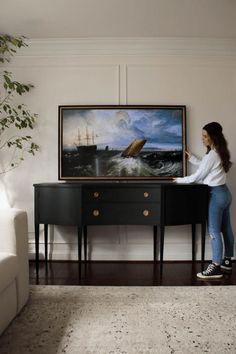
(215, 131)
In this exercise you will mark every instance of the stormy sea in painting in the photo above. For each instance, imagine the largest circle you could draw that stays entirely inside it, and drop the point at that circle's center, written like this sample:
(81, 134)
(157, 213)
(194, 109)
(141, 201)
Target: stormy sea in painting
(112, 163)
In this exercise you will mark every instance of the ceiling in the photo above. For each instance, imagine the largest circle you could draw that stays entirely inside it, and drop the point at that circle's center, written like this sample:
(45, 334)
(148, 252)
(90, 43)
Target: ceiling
(118, 18)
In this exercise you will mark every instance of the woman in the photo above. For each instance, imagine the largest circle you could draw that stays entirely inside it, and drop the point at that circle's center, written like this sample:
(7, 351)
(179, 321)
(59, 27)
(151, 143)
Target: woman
(212, 171)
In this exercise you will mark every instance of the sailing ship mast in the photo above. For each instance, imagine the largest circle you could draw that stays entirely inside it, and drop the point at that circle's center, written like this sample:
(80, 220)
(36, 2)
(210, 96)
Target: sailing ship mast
(89, 139)
(79, 137)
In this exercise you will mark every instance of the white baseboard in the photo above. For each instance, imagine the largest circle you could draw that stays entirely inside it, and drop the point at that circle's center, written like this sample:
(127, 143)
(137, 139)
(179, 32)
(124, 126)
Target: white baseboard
(112, 252)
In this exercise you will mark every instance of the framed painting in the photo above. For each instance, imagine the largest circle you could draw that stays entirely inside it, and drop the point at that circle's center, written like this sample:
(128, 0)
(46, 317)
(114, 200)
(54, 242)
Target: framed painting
(121, 142)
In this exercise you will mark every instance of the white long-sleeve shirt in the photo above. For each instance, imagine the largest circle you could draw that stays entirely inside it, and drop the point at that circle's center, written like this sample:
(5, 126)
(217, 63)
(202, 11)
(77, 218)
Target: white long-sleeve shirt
(210, 170)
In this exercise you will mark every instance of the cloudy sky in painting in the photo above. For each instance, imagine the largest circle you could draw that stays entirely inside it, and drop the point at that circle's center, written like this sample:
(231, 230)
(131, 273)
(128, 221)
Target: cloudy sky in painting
(117, 128)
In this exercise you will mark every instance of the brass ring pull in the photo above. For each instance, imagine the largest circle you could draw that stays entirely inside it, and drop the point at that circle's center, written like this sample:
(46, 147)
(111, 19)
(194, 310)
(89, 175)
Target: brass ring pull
(146, 212)
(95, 212)
(146, 194)
(96, 194)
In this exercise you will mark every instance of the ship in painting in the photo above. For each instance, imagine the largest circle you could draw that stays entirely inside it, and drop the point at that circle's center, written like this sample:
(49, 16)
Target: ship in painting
(134, 148)
(86, 144)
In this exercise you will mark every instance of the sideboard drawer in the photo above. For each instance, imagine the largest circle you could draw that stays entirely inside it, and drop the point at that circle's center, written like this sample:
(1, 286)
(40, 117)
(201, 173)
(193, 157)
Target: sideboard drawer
(121, 214)
(121, 194)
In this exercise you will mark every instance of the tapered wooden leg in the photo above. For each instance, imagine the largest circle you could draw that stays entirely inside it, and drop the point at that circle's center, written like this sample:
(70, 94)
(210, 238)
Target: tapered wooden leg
(37, 250)
(80, 231)
(162, 234)
(46, 243)
(85, 242)
(193, 241)
(203, 233)
(154, 243)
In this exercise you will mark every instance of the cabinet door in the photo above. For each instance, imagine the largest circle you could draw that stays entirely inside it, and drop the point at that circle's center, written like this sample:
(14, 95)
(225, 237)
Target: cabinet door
(58, 205)
(185, 204)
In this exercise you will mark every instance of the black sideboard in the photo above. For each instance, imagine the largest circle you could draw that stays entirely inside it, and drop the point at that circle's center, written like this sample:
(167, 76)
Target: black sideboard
(158, 204)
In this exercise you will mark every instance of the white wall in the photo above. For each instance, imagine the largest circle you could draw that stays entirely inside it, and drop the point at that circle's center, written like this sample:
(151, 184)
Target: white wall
(198, 73)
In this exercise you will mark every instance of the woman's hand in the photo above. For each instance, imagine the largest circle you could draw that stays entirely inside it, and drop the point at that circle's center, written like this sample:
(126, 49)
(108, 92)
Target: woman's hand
(188, 153)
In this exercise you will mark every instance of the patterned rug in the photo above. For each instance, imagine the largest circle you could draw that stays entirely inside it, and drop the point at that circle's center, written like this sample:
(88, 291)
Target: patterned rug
(124, 320)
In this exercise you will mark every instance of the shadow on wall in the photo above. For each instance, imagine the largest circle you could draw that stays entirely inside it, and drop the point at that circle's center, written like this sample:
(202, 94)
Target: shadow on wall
(4, 195)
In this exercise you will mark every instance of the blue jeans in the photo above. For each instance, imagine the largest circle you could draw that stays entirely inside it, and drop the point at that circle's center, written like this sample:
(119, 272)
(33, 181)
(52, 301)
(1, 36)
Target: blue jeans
(219, 222)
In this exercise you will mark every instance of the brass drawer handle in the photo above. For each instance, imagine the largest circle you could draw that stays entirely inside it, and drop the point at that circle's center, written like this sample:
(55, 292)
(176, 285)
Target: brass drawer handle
(146, 212)
(146, 194)
(95, 212)
(96, 194)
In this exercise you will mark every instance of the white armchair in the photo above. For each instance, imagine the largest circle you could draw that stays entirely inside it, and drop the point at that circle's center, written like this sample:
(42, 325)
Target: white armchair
(14, 267)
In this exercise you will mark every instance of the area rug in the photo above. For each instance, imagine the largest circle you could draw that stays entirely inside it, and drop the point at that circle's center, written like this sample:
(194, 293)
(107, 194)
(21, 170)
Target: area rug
(124, 320)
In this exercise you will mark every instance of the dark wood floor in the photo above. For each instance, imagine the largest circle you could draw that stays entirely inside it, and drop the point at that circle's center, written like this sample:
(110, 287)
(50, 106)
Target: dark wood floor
(125, 273)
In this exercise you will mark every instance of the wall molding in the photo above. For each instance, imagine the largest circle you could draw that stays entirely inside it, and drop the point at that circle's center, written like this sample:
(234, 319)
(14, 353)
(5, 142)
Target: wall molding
(54, 47)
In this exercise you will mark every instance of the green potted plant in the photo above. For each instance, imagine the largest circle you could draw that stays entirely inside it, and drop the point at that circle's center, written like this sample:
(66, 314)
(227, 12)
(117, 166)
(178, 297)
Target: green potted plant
(15, 118)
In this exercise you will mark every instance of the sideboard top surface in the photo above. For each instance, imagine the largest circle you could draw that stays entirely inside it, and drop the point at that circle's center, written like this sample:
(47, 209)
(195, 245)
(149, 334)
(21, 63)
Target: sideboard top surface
(136, 184)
